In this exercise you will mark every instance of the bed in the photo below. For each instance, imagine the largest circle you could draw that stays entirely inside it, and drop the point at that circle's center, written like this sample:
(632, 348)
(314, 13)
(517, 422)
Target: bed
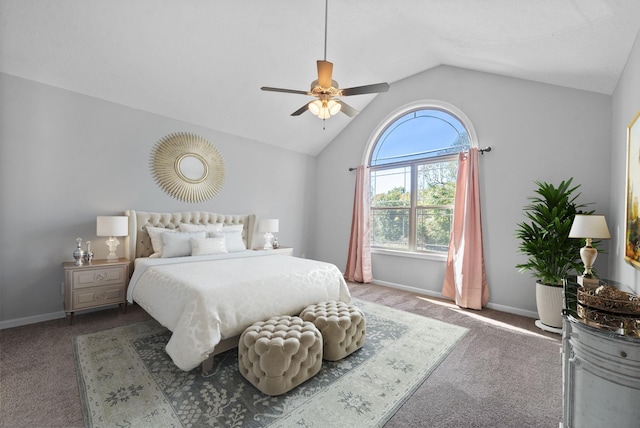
(207, 298)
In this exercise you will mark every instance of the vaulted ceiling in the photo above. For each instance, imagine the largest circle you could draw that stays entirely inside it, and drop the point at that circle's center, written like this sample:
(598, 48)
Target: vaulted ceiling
(204, 61)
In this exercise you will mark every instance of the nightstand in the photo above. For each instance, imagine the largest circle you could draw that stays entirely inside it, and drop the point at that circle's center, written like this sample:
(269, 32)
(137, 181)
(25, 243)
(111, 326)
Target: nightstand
(281, 251)
(95, 284)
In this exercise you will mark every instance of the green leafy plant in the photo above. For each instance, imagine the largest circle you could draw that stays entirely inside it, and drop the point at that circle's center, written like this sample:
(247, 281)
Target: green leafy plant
(544, 238)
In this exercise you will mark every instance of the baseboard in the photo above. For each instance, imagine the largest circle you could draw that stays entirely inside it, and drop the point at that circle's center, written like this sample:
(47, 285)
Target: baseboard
(17, 322)
(501, 308)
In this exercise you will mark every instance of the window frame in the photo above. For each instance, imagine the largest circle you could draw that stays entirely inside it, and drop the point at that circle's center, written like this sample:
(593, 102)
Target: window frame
(450, 109)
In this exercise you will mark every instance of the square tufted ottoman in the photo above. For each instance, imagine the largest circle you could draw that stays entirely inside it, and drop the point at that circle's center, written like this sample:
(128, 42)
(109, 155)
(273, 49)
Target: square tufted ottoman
(342, 327)
(279, 354)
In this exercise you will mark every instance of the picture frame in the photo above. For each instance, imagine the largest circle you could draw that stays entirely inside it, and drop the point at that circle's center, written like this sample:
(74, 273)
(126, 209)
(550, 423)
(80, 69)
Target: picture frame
(632, 223)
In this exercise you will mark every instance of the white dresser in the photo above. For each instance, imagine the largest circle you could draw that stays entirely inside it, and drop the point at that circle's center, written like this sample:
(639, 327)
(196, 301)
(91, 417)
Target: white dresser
(601, 375)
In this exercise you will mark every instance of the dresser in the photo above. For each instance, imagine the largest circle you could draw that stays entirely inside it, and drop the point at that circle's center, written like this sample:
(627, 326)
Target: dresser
(600, 371)
(96, 284)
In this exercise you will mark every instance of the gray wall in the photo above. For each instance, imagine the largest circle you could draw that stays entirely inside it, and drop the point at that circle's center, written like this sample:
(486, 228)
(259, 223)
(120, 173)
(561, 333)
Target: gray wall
(58, 150)
(66, 158)
(625, 105)
(537, 132)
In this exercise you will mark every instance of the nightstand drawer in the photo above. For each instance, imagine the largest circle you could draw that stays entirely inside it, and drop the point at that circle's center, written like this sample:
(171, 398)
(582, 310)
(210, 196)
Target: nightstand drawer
(98, 296)
(99, 277)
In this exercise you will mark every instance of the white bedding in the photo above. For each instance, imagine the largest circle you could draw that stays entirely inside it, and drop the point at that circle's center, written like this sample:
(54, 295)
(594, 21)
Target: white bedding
(205, 299)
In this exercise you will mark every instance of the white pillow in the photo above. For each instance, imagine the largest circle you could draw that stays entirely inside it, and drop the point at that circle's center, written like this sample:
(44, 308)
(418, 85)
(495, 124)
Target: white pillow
(232, 227)
(211, 227)
(233, 239)
(208, 246)
(178, 244)
(155, 233)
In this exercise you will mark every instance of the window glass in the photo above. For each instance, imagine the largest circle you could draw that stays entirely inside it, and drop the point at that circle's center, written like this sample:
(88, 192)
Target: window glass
(413, 167)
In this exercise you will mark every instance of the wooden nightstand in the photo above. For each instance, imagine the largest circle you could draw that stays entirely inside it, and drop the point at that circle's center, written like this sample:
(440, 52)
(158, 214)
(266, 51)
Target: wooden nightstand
(282, 251)
(100, 283)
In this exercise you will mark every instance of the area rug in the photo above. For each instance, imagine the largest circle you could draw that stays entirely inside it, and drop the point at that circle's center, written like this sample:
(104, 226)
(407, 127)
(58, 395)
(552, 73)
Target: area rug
(127, 379)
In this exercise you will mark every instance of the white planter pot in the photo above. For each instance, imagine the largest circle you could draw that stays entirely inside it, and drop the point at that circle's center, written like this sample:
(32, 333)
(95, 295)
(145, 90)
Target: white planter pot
(549, 302)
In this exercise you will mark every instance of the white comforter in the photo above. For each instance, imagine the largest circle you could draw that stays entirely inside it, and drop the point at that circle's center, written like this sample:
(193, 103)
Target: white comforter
(205, 299)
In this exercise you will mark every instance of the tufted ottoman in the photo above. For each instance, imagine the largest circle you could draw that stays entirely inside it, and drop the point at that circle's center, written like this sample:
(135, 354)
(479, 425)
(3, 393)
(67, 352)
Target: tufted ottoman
(342, 327)
(279, 354)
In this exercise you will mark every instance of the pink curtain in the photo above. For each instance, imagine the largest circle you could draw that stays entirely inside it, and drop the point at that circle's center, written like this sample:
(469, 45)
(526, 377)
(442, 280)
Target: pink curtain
(359, 257)
(465, 279)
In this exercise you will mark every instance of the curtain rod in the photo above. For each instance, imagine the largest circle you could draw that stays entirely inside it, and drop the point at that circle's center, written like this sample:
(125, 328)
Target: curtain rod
(486, 149)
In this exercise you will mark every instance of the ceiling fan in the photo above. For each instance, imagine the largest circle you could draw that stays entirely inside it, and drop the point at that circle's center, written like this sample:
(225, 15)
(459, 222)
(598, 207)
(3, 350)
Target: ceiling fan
(326, 90)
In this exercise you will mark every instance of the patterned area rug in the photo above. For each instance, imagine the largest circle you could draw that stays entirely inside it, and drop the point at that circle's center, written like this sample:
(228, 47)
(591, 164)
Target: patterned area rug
(127, 379)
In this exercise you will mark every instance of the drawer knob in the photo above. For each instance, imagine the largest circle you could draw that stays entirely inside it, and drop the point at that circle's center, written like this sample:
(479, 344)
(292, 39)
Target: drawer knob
(101, 276)
(100, 296)
(623, 354)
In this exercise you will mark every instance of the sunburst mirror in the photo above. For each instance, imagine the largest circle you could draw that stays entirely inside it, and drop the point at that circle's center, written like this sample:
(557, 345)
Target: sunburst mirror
(187, 167)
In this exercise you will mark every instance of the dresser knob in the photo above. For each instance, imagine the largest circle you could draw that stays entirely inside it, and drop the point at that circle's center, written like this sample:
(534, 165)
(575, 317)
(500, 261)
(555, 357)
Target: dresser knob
(101, 276)
(623, 354)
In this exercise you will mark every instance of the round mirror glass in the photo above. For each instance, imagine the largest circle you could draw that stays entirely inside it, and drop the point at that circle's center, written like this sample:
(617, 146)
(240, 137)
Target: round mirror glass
(192, 168)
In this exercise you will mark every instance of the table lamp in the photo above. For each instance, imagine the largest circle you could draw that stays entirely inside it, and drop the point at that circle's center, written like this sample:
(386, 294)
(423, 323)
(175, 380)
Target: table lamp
(268, 226)
(112, 226)
(589, 227)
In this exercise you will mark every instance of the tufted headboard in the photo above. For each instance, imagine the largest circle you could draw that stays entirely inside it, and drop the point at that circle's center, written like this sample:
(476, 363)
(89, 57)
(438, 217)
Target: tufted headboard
(139, 243)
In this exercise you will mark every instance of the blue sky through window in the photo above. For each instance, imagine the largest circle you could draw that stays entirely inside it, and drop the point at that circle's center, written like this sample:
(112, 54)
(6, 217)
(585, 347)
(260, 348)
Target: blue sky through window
(419, 134)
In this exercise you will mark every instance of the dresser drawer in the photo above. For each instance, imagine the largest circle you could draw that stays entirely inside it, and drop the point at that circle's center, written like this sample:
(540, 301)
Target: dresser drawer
(101, 276)
(98, 296)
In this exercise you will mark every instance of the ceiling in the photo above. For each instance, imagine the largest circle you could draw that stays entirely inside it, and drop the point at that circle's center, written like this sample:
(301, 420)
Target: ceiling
(203, 62)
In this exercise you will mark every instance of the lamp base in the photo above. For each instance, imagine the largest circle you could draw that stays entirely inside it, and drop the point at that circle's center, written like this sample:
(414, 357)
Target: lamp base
(588, 282)
(268, 241)
(112, 244)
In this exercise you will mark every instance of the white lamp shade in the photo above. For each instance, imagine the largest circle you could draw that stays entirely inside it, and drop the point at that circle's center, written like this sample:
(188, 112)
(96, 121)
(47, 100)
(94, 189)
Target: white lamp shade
(589, 226)
(112, 226)
(269, 225)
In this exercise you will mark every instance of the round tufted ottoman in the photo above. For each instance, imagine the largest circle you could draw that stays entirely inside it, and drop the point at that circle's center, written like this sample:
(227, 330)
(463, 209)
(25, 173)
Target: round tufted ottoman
(342, 327)
(279, 354)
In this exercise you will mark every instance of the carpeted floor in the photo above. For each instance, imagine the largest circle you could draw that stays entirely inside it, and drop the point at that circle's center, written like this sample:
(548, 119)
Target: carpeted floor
(503, 373)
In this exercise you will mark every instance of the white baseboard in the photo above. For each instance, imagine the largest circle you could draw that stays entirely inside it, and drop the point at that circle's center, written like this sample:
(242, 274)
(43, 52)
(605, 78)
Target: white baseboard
(501, 308)
(31, 320)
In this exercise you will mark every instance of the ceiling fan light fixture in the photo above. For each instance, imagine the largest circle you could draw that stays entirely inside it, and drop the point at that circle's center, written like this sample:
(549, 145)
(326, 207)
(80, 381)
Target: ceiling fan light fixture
(324, 113)
(315, 107)
(334, 107)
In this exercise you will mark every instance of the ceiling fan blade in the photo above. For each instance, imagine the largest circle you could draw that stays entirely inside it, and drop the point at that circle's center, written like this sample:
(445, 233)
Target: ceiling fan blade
(366, 89)
(301, 110)
(325, 71)
(288, 91)
(346, 108)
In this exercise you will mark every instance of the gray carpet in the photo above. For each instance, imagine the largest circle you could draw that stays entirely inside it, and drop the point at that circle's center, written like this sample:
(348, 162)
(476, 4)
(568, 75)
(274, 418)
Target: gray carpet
(504, 373)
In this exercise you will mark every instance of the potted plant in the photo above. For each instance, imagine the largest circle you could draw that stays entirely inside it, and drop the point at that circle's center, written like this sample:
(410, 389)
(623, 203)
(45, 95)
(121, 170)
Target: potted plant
(544, 239)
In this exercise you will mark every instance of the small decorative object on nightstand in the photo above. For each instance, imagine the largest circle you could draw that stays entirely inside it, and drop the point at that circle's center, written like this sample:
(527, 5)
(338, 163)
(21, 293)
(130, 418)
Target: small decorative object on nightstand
(78, 254)
(88, 255)
(101, 283)
(112, 226)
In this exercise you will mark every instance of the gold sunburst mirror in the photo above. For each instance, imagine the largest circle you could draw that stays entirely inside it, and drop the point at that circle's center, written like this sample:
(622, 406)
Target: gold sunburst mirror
(187, 167)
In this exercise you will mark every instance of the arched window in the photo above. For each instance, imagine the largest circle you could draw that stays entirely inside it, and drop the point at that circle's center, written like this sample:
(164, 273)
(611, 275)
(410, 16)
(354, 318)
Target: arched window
(413, 165)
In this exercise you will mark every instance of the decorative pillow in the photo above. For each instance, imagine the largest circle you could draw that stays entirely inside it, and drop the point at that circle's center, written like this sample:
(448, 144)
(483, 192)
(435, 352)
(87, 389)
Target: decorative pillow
(178, 244)
(155, 233)
(232, 227)
(211, 227)
(233, 239)
(208, 246)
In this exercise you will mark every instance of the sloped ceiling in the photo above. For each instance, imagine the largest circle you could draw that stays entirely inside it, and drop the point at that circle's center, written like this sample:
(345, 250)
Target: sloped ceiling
(203, 62)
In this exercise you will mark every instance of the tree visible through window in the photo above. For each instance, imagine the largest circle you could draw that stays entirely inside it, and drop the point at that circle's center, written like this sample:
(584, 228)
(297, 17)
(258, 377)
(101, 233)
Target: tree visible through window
(413, 167)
